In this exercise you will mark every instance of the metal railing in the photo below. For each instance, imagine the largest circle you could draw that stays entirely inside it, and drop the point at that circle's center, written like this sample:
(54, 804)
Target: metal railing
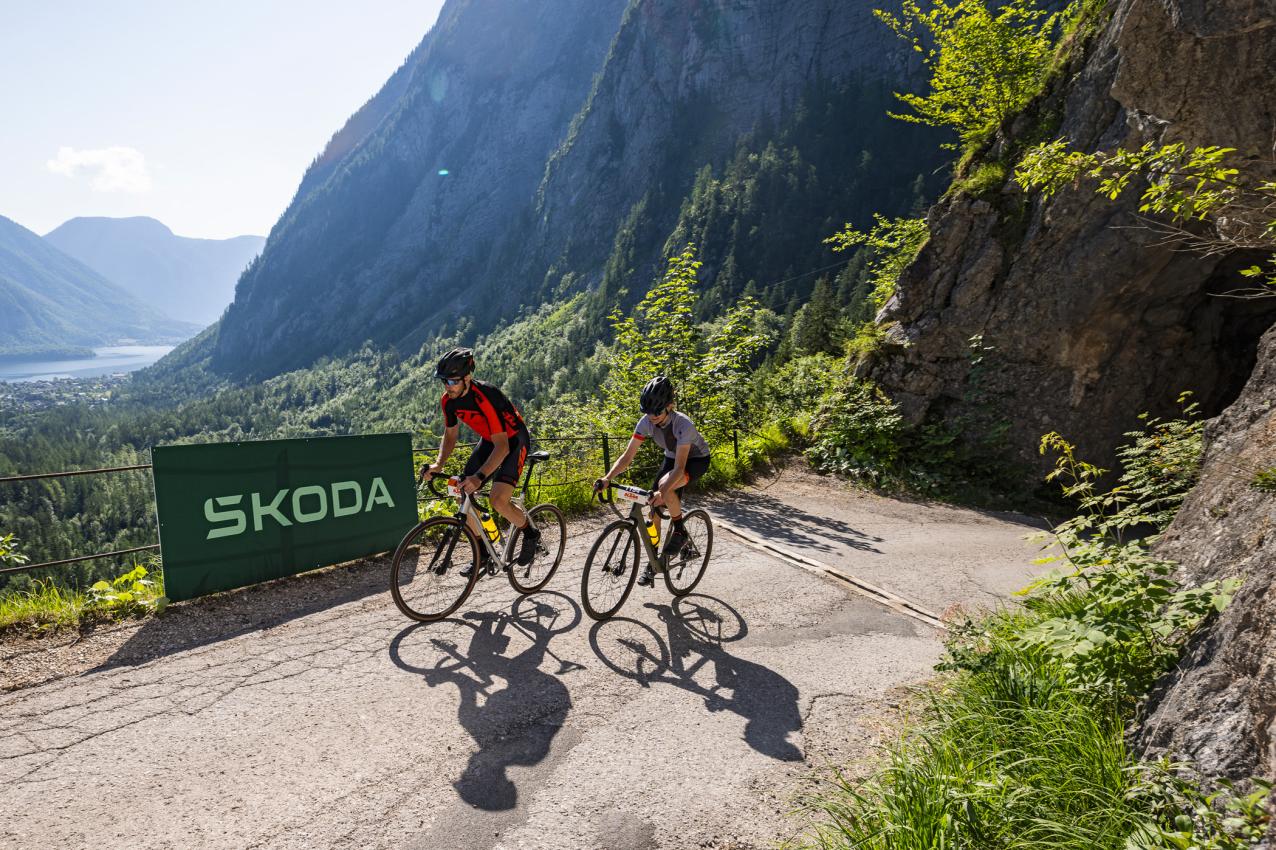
(603, 441)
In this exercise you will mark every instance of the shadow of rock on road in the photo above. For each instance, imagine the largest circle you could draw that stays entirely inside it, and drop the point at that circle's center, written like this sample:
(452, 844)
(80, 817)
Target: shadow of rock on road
(691, 656)
(509, 705)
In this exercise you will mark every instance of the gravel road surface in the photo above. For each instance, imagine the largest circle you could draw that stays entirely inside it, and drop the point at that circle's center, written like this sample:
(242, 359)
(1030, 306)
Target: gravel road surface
(309, 713)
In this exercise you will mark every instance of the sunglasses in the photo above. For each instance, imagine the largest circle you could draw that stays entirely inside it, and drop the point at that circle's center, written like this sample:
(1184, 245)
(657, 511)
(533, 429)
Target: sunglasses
(451, 382)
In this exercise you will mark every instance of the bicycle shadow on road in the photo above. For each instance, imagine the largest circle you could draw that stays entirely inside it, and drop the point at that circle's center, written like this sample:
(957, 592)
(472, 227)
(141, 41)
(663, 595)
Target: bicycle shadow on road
(697, 626)
(514, 724)
(781, 522)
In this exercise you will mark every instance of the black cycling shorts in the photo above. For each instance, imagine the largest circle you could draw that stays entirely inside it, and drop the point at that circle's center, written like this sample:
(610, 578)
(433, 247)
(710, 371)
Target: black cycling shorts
(696, 466)
(510, 469)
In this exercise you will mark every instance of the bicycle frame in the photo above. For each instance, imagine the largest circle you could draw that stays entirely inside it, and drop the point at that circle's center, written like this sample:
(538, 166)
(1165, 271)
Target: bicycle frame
(468, 508)
(639, 498)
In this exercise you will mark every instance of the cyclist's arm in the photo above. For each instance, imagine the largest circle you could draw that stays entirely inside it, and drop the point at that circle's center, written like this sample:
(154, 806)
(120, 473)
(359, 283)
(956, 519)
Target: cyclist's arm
(680, 456)
(500, 448)
(622, 462)
(445, 448)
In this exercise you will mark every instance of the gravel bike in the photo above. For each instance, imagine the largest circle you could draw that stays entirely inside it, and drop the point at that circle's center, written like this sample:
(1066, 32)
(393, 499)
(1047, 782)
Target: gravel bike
(612, 566)
(426, 578)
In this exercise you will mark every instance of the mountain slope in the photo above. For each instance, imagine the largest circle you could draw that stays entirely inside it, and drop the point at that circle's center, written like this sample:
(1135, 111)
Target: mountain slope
(389, 224)
(500, 162)
(188, 279)
(50, 302)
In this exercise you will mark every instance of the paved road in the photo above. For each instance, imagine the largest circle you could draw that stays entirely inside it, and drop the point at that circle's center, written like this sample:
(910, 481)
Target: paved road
(323, 719)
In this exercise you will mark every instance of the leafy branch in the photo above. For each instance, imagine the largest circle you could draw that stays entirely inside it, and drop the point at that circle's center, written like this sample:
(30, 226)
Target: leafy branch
(984, 66)
(1186, 187)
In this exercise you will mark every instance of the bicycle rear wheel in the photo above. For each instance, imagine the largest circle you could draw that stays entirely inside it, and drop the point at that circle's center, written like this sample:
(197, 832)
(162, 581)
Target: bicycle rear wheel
(610, 570)
(550, 523)
(425, 578)
(685, 571)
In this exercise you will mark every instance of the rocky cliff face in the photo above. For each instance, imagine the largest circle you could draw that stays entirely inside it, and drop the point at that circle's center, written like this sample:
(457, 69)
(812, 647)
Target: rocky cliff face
(1219, 707)
(1089, 319)
(509, 149)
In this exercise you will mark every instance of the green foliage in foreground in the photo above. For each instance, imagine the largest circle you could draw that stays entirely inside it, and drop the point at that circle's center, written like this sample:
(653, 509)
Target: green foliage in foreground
(1022, 744)
(45, 606)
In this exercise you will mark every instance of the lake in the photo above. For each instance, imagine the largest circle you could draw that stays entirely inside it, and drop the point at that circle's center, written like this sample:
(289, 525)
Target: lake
(110, 359)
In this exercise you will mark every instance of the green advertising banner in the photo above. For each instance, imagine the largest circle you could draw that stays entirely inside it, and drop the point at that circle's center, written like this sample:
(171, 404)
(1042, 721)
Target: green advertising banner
(234, 514)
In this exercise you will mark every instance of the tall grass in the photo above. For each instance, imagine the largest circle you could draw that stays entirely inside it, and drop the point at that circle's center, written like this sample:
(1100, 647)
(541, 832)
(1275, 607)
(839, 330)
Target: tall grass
(46, 606)
(43, 607)
(1006, 756)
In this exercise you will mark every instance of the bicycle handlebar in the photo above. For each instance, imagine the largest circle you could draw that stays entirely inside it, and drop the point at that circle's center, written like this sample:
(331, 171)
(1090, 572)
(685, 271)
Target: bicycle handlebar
(610, 501)
(432, 479)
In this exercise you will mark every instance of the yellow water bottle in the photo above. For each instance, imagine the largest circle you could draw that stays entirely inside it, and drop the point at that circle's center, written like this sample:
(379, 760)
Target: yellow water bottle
(489, 525)
(653, 533)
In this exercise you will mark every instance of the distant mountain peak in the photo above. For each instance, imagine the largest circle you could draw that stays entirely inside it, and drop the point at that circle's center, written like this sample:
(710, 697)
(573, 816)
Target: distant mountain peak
(187, 278)
(136, 224)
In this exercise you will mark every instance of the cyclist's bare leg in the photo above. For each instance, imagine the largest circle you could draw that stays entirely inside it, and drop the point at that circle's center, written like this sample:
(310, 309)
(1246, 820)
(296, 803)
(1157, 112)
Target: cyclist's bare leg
(667, 495)
(472, 521)
(500, 498)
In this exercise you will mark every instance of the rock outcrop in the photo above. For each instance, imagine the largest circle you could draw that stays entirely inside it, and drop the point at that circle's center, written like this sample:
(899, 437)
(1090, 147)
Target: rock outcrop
(1087, 318)
(1219, 707)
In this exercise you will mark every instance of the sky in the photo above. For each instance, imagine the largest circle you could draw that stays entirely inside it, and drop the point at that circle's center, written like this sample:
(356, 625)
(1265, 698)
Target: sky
(202, 115)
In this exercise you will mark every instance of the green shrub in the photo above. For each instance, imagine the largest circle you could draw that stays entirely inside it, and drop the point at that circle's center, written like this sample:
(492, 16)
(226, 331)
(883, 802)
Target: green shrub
(985, 178)
(856, 432)
(1265, 480)
(892, 244)
(1006, 755)
(129, 595)
(796, 388)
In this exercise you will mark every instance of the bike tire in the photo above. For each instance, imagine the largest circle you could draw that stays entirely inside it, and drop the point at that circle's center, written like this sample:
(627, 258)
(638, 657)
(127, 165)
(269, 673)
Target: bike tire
(612, 578)
(424, 587)
(549, 552)
(685, 572)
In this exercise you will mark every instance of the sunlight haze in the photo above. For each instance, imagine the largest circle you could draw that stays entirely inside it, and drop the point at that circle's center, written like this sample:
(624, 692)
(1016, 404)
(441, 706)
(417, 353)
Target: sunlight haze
(204, 116)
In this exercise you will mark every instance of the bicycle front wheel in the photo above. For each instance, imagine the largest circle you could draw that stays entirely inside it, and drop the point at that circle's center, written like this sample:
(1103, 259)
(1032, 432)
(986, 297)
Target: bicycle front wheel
(550, 523)
(684, 572)
(610, 570)
(425, 578)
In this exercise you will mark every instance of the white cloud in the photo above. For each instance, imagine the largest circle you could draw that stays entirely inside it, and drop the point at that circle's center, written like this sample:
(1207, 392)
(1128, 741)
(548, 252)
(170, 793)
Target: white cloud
(114, 169)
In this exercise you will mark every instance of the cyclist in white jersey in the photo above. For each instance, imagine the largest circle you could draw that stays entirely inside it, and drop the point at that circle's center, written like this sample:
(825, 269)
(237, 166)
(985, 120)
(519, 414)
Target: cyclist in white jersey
(686, 458)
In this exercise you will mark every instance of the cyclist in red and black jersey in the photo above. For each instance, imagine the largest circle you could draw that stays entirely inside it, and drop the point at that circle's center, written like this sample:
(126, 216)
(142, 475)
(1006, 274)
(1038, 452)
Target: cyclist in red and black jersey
(502, 449)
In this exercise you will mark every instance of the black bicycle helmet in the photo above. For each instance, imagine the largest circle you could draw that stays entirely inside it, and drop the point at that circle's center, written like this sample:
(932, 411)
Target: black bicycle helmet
(457, 363)
(657, 395)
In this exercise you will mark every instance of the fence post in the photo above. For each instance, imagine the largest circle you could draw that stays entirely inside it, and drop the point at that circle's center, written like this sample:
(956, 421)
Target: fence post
(735, 445)
(606, 454)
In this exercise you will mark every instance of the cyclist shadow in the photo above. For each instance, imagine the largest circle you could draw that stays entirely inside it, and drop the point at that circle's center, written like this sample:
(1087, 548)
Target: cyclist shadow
(514, 724)
(696, 627)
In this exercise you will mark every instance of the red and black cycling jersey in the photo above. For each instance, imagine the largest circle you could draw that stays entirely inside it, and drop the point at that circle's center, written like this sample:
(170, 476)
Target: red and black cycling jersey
(485, 409)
